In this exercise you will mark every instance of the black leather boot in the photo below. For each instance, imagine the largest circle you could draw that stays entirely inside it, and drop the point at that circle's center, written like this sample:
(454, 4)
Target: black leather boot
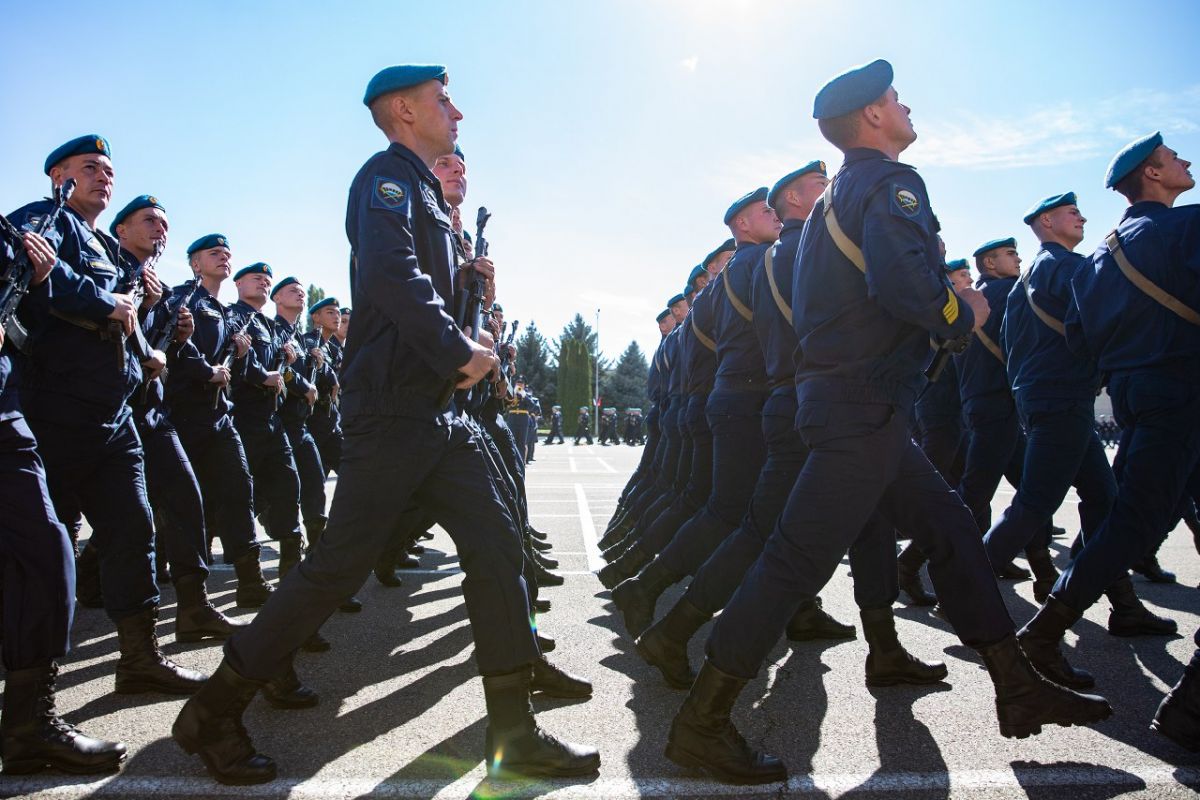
(1044, 573)
(534, 532)
(1130, 618)
(544, 577)
(540, 546)
(143, 667)
(542, 561)
(665, 643)
(408, 561)
(516, 746)
(637, 597)
(629, 564)
(619, 549)
(195, 618)
(33, 736)
(291, 550)
(314, 531)
(1025, 700)
(811, 621)
(545, 643)
(540, 605)
(703, 737)
(554, 682)
(385, 572)
(210, 725)
(1153, 571)
(1041, 639)
(616, 531)
(1011, 572)
(87, 578)
(1178, 716)
(252, 589)
(286, 691)
(908, 574)
(888, 663)
(352, 605)
(316, 643)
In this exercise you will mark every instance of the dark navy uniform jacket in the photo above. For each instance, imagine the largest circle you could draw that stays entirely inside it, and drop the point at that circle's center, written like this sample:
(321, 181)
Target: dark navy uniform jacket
(1041, 367)
(775, 334)
(865, 338)
(295, 407)
(189, 394)
(250, 397)
(672, 357)
(10, 407)
(687, 341)
(701, 361)
(1118, 324)
(740, 362)
(149, 402)
(327, 375)
(74, 374)
(983, 378)
(406, 347)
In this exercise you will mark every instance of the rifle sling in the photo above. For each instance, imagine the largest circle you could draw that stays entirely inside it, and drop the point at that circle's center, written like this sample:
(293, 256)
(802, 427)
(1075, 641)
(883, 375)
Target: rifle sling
(741, 308)
(769, 266)
(1147, 286)
(1052, 323)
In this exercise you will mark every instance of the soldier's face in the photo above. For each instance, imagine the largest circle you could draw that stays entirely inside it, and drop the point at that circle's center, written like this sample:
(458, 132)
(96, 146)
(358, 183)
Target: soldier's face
(960, 279)
(290, 297)
(143, 230)
(679, 310)
(254, 288)
(715, 266)
(328, 319)
(452, 172)
(435, 118)
(758, 223)
(1067, 222)
(808, 188)
(94, 180)
(213, 263)
(895, 119)
(1005, 262)
(1175, 172)
(344, 329)
(701, 281)
(666, 324)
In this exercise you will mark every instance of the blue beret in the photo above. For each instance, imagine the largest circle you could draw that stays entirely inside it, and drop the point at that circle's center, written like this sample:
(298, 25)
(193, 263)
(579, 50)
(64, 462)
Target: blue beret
(1048, 204)
(993, 244)
(136, 204)
(727, 246)
(208, 242)
(854, 89)
(497, 307)
(1130, 156)
(288, 281)
(344, 310)
(458, 152)
(317, 306)
(393, 79)
(676, 299)
(257, 268)
(92, 143)
(696, 272)
(781, 184)
(666, 312)
(957, 264)
(759, 195)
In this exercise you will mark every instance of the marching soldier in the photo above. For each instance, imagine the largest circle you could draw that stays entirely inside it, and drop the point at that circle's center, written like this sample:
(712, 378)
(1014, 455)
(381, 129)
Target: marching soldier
(403, 441)
(583, 425)
(556, 424)
(327, 336)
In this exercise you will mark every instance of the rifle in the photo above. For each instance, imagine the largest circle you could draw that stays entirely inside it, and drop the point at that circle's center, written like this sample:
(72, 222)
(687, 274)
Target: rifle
(226, 354)
(17, 277)
(137, 292)
(471, 301)
(160, 337)
(941, 356)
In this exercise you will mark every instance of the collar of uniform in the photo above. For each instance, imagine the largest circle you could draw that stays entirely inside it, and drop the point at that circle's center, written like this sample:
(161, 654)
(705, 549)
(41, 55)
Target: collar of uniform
(792, 225)
(287, 326)
(395, 148)
(864, 153)
(1054, 247)
(242, 305)
(1144, 208)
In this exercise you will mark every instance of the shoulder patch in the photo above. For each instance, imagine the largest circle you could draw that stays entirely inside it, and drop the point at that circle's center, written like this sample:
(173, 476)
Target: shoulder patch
(391, 194)
(905, 202)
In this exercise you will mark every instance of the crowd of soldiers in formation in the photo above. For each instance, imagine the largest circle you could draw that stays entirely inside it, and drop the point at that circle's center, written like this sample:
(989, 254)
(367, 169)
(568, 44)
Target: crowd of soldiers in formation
(790, 425)
(612, 429)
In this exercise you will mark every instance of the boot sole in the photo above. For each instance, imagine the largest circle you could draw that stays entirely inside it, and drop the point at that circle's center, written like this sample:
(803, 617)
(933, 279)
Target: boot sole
(510, 773)
(904, 680)
(31, 766)
(561, 695)
(922, 602)
(145, 688)
(1010, 731)
(686, 760)
(1131, 632)
(191, 748)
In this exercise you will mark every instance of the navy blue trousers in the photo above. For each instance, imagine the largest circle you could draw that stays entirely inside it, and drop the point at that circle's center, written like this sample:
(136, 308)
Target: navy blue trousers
(325, 425)
(35, 555)
(219, 462)
(684, 505)
(273, 469)
(97, 470)
(739, 452)
(311, 472)
(175, 497)
(1062, 450)
(388, 464)
(862, 462)
(1158, 410)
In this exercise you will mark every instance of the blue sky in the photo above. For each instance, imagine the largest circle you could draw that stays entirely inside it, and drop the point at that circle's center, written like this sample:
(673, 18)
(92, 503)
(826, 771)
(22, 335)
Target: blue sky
(607, 138)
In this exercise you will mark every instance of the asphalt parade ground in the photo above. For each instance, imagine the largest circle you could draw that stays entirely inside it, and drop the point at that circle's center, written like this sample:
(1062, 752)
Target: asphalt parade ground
(402, 714)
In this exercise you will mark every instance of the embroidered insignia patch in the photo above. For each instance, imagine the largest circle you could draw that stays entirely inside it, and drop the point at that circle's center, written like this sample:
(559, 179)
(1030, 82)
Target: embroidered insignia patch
(906, 201)
(390, 194)
(950, 310)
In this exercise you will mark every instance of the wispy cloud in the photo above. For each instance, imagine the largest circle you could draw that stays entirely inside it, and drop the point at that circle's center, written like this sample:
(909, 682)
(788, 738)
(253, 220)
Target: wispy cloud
(1053, 135)
(690, 63)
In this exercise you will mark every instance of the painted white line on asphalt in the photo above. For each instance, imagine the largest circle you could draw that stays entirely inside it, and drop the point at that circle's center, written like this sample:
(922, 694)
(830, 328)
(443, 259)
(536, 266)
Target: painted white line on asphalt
(605, 464)
(1020, 781)
(571, 461)
(589, 530)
